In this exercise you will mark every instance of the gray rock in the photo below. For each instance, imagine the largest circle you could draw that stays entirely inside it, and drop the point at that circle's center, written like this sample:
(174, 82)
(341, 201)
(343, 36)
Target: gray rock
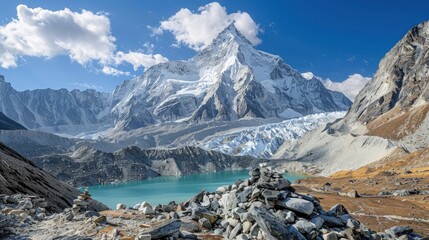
(190, 226)
(214, 205)
(295, 233)
(405, 192)
(166, 229)
(25, 204)
(331, 221)
(246, 227)
(254, 230)
(297, 205)
(242, 237)
(290, 217)
(270, 194)
(318, 222)
(205, 223)
(229, 201)
(244, 195)
(91, 213)
(304, 226)
(271, 225)
(353, 194)
(352, 223)
(174, 215)
(120, 206)
(337, 210)
(218, 231)
(245, 216)
(188, 235)
(144, 237)
(330, 236)
(235, 231)
(398, 231)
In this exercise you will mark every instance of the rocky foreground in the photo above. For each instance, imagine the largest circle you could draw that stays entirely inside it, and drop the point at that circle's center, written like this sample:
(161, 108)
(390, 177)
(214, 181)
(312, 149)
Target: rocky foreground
(264, 206)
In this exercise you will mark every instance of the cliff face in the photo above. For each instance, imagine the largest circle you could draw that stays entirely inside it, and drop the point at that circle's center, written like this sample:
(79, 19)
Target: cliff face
(401, 81)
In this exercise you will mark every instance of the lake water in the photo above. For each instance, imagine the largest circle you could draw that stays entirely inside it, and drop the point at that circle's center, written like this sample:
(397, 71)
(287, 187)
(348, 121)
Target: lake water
(162, 190)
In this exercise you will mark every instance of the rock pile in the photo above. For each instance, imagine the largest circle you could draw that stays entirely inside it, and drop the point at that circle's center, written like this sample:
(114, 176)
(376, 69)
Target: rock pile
(82, 202)
(19, 211)
(265, 206)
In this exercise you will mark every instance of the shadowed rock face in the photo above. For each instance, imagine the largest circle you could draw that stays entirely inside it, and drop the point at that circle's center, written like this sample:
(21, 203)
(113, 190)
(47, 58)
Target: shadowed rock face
(19, 175)
(8, 124)
(402, 78)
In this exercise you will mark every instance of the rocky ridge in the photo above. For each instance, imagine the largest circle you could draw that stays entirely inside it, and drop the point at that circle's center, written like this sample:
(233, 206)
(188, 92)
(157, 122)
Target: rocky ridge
(264, 206)
(87, 166)
(47, 107)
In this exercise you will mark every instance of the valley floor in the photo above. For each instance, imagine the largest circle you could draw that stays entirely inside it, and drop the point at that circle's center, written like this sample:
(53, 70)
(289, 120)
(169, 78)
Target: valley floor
(386, 198)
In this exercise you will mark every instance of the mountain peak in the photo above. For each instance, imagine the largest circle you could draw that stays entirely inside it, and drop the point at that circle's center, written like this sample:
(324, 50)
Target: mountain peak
(231, 33)
(2, 78)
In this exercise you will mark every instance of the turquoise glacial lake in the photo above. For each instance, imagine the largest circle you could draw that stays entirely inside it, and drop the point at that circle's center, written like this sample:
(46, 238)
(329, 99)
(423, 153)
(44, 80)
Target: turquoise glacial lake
(162, 190)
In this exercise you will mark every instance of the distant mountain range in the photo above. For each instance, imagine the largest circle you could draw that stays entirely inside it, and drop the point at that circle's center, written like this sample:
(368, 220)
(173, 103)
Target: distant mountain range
(228, 80)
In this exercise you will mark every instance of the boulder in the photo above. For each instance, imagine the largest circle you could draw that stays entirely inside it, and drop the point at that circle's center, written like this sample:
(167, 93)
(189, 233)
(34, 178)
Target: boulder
(229, 201)
(120, 206)
(164, 230)
(271, 225)
(297, 204)
(353, 194)
(398, 231)
(205, 223)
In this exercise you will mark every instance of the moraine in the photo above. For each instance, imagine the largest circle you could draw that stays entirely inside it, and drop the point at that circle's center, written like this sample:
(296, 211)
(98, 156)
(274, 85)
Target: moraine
(161, 190)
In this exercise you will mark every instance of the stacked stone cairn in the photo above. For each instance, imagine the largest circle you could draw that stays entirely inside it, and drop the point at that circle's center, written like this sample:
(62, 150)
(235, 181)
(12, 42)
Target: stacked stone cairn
(264, 206)
(81, 209)
(19, 211)
(82, 202)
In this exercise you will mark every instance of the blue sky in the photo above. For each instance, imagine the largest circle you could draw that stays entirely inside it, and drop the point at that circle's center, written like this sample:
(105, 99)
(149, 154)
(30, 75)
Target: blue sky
(333, 39)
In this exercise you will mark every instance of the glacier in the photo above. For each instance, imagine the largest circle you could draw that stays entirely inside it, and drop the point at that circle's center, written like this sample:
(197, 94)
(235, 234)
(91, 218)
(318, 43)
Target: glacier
(263, 141)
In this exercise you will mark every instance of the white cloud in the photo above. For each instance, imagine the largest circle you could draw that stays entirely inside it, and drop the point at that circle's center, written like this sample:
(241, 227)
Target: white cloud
(350, 87)
(83, 36)
(138, 59)
(114, 72)
(197, 30)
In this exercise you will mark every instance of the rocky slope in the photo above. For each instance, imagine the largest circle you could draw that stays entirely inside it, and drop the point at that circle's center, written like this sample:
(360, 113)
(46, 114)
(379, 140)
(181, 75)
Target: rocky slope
(391, 110)
(8, 124)
(19, 176)
(228, 80)
(401, 80)
(264, 206)
(87, 166)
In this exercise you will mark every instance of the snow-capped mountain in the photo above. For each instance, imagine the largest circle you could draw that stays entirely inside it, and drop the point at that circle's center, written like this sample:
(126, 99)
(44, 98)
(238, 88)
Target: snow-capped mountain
(228, 80)
(339, 98)
(48, 107)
